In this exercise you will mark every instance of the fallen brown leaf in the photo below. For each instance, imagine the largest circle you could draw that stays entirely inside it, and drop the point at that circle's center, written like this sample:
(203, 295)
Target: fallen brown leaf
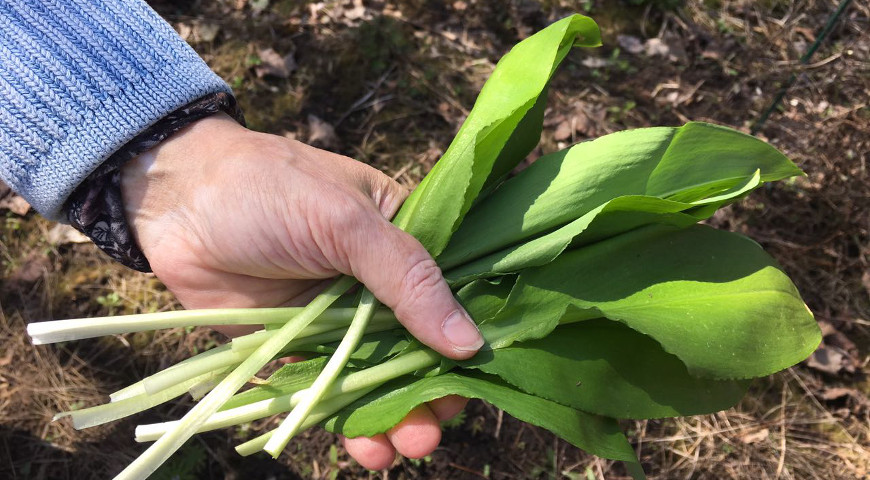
(9, 200)
(62, 234)
(564, 130)
(30, 271)
(321, 133)
(755, 437)
(274, 65)
(828, 360)
(835, 393)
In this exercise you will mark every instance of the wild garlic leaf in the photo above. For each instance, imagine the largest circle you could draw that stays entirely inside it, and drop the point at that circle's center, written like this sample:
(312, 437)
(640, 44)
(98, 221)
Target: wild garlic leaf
(373, 348)
(483, 299)
(604, 367)
(386, 406)
(290, 378)
(714, 299)
(436, 207)
(619, 215)
(687, 164)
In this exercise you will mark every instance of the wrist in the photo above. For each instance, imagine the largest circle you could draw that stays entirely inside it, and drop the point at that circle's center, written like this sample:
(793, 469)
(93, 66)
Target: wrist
(159, 185)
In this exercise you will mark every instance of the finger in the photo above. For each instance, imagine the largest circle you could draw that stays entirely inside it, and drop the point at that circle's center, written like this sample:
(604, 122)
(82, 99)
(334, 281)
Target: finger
(373, 453)
(402, 275)
(385, 192)
(447, 407)
(417, 435)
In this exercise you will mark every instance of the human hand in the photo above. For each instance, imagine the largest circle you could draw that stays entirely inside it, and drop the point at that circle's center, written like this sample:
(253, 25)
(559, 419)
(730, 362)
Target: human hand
(229, 217)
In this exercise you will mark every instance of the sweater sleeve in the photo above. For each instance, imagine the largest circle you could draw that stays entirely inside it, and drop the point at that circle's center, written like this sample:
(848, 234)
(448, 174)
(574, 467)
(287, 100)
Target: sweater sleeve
(78, 80)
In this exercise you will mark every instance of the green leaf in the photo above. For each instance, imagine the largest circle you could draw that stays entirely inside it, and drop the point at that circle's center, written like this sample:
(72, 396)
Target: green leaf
(522, 141)
(714, 299)
(483, 299)
(606, 368)
(373, 348)
(689, 164)
(617, 216)
(437, 206)
(385, 407)
(290, 378)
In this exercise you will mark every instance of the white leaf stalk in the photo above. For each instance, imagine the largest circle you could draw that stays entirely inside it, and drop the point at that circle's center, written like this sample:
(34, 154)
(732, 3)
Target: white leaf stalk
(138, 388)
(291, 425)
(241, 347)
(169, 377)
(382, 320)
(65, 330)
(172, 440)
(321, 412)
(353, 383)
(207, 384)
(100, 414)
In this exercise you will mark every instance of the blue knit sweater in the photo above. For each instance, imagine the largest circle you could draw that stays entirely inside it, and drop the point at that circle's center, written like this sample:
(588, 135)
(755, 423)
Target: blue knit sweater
(78, 80)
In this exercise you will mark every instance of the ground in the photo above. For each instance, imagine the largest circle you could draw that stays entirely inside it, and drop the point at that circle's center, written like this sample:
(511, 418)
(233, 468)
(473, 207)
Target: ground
(389, 83)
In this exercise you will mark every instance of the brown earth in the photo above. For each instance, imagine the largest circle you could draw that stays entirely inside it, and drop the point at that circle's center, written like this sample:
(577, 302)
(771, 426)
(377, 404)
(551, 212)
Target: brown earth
(389, 83)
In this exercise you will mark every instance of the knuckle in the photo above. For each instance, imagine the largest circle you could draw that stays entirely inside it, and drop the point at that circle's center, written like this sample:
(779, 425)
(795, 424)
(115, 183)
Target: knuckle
(422, 275)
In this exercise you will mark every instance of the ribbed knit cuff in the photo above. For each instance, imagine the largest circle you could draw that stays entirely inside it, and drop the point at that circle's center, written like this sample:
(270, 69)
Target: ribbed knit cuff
(79, 79)
(89, 143)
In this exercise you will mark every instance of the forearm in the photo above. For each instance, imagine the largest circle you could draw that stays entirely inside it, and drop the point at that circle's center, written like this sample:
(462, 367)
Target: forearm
(79, 79)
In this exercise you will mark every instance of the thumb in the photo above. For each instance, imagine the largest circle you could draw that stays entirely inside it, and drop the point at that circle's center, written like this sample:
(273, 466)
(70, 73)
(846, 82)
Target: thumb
(401, 274)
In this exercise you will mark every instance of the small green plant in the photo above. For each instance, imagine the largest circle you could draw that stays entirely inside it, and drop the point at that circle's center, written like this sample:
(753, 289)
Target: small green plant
(110, 301)
(12, 223)
(457, 421)
(418, 462)
(599, 295)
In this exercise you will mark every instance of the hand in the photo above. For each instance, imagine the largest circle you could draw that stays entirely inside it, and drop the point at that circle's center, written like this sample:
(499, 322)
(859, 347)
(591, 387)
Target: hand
(228, 217)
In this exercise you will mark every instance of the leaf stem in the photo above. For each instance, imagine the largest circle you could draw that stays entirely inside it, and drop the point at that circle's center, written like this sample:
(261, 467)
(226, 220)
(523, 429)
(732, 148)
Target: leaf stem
(321, 412)
(351, 383)
(107, 412)
(77, 329)
(172, 440)
(382, 320)
(290, 426)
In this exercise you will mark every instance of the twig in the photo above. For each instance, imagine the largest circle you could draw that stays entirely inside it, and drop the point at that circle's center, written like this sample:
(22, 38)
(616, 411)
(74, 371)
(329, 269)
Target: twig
(466, 469)
(782, 446)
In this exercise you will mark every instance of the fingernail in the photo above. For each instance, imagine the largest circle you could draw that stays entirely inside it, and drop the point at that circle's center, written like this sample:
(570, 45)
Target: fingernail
(461, 332)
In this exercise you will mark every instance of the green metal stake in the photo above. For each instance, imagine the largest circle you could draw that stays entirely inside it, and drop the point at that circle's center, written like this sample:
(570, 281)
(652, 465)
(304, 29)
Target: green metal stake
(803, 61)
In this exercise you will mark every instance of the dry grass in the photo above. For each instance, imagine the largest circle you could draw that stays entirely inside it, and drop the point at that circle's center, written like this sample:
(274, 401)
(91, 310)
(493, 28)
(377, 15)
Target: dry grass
(397, 110)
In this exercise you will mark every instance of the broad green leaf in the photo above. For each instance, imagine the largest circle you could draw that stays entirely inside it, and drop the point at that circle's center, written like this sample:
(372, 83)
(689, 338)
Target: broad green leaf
(523, 140)
(617, 216)
(437, 206)
(606, 368)
(373, 348)
(290, 378)
(714, 299)
(385, 407)
(483, 299)
(687, 164)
